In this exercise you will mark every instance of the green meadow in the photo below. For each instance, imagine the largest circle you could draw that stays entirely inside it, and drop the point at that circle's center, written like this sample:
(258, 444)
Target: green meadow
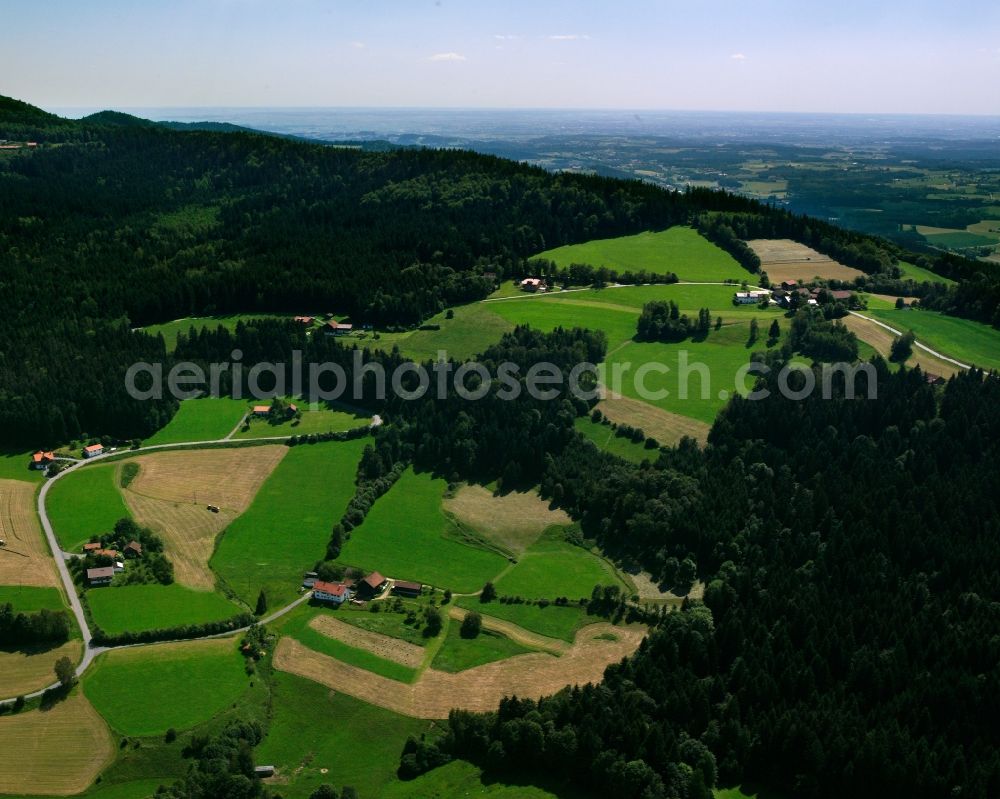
(14, 466)
(205, 419)
(321, 736)
(616, 312)
(459, 654)
(680, 250)
(472, 330)
(148, 690)
(321, 420)
(386, 622)
(604, 437)
(169, 330)
(462, 779)
(287, 526)
(133, 608)
(920, 274)
(298, 628)
(85, 503)
(552, 567)
(406, 536)
(967, 341)
(555, 621)
(31, 599)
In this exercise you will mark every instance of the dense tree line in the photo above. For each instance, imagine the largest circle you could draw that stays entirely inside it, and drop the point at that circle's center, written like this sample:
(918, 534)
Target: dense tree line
(847, 642)
(44, 627)
(821, 338)
(222, 766)
(661, 320)
(716, 230)
(185, 632)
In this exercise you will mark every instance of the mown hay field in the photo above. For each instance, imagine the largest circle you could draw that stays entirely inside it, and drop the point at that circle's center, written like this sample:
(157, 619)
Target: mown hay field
(512, 521)
(478, 689)
(173, 489)
(24, 558)
(59, 752)
(784, 259)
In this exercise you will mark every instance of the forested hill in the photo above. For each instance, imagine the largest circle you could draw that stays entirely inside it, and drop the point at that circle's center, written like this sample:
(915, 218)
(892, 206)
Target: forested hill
(104, 227)
(113, 222)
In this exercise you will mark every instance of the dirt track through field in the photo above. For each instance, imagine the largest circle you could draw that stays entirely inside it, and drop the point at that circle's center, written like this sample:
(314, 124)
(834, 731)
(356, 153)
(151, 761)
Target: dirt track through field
(784, 259)
(478, 689)
(173, 489)
(56, 752)
(384, 646)
(667, 428)
(881, 340)
(515, 633)
(25, 558)
(513, 521)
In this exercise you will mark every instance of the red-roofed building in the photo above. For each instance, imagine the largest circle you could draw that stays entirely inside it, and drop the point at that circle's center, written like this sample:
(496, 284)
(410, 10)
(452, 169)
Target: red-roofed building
(93, 546)
(261, 410)
(372, 585)
(93, 451)
(42, 459)
(133, 549)
(330, 592)
(333, 328)
(305, 320)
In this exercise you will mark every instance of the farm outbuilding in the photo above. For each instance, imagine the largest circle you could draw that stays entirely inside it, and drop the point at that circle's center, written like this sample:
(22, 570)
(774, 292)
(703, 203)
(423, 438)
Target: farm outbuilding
(372, 585)
(102, 575)
(406, 588)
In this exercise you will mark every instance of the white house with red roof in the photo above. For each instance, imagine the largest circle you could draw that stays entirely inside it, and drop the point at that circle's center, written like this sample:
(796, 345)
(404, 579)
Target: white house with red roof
(330, 592)
(93, 451)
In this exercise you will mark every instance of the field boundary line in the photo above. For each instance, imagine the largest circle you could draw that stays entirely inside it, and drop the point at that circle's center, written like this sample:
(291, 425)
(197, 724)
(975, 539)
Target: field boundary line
(924, 347)
(553, 646)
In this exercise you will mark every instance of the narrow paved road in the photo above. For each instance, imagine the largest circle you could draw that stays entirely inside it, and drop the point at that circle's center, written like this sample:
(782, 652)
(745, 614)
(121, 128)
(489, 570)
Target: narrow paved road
(893, 330)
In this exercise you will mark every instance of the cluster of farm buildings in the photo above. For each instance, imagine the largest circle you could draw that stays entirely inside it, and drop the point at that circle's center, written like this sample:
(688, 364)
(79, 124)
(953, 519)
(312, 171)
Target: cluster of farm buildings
(330, 328)
(370, 587)
(103, 575)
(784, 296)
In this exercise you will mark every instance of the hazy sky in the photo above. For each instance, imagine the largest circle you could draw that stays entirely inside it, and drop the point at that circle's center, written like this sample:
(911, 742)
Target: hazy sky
(770, 55)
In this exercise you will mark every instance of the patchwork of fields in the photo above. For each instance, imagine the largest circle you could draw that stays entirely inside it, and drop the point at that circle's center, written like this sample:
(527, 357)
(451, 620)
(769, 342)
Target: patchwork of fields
(171, 493)
(287, 526)
(478, 689)
(376, 672)
(407, 536)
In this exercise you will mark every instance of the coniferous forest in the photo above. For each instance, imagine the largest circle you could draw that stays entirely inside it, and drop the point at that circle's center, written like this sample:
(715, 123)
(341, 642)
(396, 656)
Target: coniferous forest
(848, 641)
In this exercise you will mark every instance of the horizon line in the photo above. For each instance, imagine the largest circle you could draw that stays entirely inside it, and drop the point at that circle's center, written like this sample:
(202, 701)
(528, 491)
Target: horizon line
(52, 108)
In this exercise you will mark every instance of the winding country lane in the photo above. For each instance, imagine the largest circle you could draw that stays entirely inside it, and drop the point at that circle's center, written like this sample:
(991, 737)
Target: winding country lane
(90, 652)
